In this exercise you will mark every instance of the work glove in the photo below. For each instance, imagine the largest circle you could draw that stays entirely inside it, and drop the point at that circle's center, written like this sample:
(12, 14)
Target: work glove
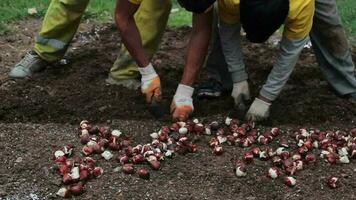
(182, 104)
(150, 84)
(241, 94)
(258, 111)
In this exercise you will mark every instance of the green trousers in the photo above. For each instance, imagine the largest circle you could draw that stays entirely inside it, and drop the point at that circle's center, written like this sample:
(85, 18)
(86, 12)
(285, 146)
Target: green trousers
(63, 18)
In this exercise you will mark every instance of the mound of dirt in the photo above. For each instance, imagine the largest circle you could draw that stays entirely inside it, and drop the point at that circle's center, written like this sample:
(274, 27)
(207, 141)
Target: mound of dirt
(37, 116)
(68, 93)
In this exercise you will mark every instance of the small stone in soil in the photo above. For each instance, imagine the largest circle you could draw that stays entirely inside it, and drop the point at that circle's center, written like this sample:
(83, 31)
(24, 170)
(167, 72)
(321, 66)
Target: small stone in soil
(18, 160)
(117, 169)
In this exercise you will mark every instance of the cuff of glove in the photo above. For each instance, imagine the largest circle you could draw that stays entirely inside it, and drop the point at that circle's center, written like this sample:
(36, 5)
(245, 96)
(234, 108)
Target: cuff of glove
(239, 76)
(241, 84)
(261, 102)
(184, 91)
(268, 95)
(148, 72)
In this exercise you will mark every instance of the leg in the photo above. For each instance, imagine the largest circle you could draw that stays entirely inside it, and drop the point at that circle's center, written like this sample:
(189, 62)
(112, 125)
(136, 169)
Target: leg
(216, 68)
(59, 26)
(151, 20)
(332, 49)
(216, 65)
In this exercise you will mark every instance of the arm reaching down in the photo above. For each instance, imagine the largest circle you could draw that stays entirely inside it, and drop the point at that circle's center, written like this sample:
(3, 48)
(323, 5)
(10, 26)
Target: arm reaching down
(232, 50)
(197, 47)
(182, 104)
(150, 81)
(277, 78)
(124, 17)
(282, 69)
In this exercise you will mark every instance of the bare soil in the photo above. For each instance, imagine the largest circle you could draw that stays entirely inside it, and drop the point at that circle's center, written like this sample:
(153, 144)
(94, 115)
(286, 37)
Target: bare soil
(40, 114)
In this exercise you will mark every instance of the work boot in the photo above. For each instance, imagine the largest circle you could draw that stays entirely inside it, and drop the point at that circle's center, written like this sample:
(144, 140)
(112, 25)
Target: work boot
(30, 64)
(132, 84)
(211, 89)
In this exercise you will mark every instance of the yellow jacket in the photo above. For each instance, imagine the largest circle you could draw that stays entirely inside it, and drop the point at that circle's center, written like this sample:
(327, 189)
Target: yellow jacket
(297, 25)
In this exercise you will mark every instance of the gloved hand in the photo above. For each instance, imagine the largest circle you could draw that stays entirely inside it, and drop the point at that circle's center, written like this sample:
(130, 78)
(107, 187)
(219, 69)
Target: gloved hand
(241, 94)
(258, 111)
(182, 104)
(150, 84)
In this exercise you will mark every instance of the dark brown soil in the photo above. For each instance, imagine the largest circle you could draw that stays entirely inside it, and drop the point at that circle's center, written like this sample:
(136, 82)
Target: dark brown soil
(38, 115)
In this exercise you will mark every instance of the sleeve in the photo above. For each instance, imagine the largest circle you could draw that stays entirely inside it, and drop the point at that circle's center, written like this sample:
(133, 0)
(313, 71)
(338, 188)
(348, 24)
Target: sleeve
(282, 69)
(300, 19)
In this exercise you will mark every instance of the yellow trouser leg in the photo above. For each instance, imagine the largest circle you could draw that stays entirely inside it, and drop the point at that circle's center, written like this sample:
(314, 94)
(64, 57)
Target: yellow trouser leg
(151, 19)
(59, 26)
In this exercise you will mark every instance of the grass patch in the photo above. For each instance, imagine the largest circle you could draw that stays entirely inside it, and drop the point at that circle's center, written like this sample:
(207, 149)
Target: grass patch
(11, 10)
(179, 16)
(347, 9)
(101, 10)
(4, 29)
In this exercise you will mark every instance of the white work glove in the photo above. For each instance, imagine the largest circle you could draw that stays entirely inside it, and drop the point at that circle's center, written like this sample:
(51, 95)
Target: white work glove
(258, 111)
(182, 104)
(150, 84)
(241, 94)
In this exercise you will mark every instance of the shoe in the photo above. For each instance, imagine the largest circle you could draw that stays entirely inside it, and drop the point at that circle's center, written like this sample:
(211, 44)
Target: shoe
(132, 84)
(30, 64)
(210, 89)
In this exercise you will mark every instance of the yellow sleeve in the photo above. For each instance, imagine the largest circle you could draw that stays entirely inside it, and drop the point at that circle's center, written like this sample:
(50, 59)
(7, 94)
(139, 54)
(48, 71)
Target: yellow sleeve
(229, 11)
(137, 2)
(300, 19)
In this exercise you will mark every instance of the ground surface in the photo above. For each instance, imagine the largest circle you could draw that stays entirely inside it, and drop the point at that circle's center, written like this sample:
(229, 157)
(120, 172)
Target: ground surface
(40, 114)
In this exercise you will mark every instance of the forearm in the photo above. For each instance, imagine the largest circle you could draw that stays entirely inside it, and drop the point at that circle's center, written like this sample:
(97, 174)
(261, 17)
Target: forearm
(130, 35)
(197, 47)
(282, 69)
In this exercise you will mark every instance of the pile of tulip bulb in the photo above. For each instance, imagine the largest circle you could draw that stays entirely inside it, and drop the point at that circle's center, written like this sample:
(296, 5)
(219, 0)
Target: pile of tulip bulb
(104, 141)
(74, 171)
(312, 145)
(334, 147)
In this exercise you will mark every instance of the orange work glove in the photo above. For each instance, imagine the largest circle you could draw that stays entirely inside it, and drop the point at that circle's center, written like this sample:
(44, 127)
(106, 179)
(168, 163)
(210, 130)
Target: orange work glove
(150, 84)
(182, 104)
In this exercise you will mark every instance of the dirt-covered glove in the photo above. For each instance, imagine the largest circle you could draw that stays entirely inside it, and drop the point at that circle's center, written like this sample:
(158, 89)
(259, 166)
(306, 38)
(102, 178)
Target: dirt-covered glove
(182, 104)
(258, 111)
(150, 84)
(240, 93)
